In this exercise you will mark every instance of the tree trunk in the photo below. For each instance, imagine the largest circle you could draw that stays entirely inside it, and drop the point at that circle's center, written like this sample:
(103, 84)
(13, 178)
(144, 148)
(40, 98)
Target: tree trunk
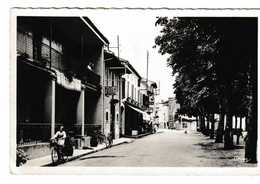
(212, 126)
(228, 144)
(197, 123)
(202, 122)
(207, 129)
(251, 141)
(220, 131)
(246, 123)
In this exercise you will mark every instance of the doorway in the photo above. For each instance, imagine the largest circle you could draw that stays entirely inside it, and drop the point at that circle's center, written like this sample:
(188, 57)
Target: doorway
(112, 120)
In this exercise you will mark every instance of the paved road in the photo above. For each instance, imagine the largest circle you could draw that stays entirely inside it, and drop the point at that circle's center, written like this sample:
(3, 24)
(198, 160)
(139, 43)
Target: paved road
(168, 149)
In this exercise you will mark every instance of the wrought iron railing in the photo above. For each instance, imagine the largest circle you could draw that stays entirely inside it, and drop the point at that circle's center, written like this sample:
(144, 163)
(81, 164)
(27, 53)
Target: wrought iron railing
(90, 77)
(56, 59)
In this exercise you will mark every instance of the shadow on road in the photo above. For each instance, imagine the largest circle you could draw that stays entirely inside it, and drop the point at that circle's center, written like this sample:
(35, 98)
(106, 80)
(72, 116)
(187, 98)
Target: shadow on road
(99, 157)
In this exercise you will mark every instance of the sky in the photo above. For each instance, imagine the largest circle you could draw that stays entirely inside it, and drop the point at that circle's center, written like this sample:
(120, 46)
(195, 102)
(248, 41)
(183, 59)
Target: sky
(136, 31)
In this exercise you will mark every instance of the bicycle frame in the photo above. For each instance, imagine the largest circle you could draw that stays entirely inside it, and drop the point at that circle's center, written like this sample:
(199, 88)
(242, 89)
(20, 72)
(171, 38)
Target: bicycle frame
(57, 154)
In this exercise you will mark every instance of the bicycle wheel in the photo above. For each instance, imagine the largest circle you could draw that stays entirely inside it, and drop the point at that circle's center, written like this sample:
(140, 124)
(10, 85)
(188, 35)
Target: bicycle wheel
(54, 155)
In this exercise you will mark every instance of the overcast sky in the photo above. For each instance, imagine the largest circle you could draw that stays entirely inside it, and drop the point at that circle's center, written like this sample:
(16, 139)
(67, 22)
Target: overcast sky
(136, 31)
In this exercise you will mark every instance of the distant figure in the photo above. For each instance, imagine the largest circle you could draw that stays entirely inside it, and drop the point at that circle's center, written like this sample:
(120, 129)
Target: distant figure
(185, 132)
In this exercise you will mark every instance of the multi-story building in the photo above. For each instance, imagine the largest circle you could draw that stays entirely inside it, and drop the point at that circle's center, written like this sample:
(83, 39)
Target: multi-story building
(166, 113)
(138, 96)
(162, 114)
(132, 116)
(173, 106)
(60, 63)
(114, 69)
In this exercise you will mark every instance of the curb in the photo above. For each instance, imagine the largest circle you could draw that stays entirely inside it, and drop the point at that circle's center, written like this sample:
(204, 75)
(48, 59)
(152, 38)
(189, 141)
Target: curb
(142, 135)
(84, 154)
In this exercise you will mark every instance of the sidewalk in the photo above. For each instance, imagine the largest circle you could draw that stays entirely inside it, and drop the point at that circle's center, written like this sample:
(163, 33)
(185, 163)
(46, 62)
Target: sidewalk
(46, 160)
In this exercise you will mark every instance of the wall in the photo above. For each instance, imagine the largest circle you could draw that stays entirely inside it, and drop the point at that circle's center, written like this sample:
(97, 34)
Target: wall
(35, 151)
(109, 76)
(98, 109)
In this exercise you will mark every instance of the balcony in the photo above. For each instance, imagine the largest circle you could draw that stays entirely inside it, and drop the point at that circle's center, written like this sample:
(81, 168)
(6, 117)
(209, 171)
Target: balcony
(90, 77)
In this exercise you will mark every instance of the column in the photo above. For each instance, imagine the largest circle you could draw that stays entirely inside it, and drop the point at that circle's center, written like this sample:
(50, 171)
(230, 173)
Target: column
(53, 107)
(82, 111)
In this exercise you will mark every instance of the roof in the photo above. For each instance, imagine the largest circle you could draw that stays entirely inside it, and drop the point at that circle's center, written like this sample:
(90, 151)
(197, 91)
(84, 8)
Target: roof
(130, 67)
(150, 83)
(96, 29)
(69, 28)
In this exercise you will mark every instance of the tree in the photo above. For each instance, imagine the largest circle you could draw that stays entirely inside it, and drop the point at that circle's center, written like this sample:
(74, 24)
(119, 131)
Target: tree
(214, 57)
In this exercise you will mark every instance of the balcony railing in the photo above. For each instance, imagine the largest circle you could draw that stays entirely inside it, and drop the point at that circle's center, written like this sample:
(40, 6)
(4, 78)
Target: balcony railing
(90, 77)
(56, 59)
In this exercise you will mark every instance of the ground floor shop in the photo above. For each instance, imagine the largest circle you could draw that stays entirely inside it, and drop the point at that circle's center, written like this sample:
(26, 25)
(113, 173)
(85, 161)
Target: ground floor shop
(46, 101)
(136, 121)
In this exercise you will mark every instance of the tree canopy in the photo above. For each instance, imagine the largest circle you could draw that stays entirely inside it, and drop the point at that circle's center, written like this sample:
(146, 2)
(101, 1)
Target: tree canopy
(213, 60)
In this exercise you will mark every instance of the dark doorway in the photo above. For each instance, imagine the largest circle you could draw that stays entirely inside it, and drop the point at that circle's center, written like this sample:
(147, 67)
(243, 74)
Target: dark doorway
(66, 107)
(112, 122)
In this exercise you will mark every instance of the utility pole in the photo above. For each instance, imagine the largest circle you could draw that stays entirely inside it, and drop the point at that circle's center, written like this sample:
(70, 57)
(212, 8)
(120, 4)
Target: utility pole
(147, 67)
(118, 46)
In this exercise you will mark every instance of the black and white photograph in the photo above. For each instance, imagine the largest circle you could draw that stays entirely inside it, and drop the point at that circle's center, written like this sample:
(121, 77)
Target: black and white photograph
(133, 91)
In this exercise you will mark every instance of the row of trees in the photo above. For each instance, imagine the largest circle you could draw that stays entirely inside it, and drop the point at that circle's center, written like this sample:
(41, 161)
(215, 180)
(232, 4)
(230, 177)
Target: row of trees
(215, 64)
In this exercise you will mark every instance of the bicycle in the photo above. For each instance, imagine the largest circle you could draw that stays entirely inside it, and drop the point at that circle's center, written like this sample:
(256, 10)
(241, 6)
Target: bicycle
(58, 153)
(102, 138)
(109, 139)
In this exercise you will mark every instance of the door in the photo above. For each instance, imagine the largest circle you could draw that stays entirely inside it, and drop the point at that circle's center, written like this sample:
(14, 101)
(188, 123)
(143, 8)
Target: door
(112, 122)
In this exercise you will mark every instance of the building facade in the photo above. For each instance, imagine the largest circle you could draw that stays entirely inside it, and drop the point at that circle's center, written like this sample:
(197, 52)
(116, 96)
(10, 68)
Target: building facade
(137, 97)
(162, 114)
(60, 63)
(66, 76)
(166, 114)
(114, 70)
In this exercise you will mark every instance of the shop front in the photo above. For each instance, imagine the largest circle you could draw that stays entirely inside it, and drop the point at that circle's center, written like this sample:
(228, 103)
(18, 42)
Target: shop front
(136, 121)
(34, 102)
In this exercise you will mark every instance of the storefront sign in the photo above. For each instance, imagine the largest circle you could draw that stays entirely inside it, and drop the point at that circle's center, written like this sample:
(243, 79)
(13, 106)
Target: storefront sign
(110, 90)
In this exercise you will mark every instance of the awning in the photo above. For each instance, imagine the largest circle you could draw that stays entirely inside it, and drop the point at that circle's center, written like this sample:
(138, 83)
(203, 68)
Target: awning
(146, 116)
(74, 85)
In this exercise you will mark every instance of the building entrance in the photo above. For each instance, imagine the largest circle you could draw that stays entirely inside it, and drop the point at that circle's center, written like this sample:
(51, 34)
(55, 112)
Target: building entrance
(66, 107)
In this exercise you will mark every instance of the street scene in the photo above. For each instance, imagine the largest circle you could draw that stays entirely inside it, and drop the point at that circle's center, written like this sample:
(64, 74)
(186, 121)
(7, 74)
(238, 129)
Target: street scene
(154, 91)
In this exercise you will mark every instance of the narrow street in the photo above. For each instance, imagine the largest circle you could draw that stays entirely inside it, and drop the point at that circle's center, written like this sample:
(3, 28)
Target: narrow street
(168, 149)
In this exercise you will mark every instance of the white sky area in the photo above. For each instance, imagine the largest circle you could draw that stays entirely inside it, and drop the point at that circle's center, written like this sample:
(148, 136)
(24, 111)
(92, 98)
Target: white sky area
(136, 31)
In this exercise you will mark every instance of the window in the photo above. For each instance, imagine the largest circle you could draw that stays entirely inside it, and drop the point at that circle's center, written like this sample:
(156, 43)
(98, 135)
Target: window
(123, 89)
(24, 43)
(184, 125)
(127, 90)
(132, 90)
(107, 116)
(170, 117)
(117, 117)
(135, 95)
